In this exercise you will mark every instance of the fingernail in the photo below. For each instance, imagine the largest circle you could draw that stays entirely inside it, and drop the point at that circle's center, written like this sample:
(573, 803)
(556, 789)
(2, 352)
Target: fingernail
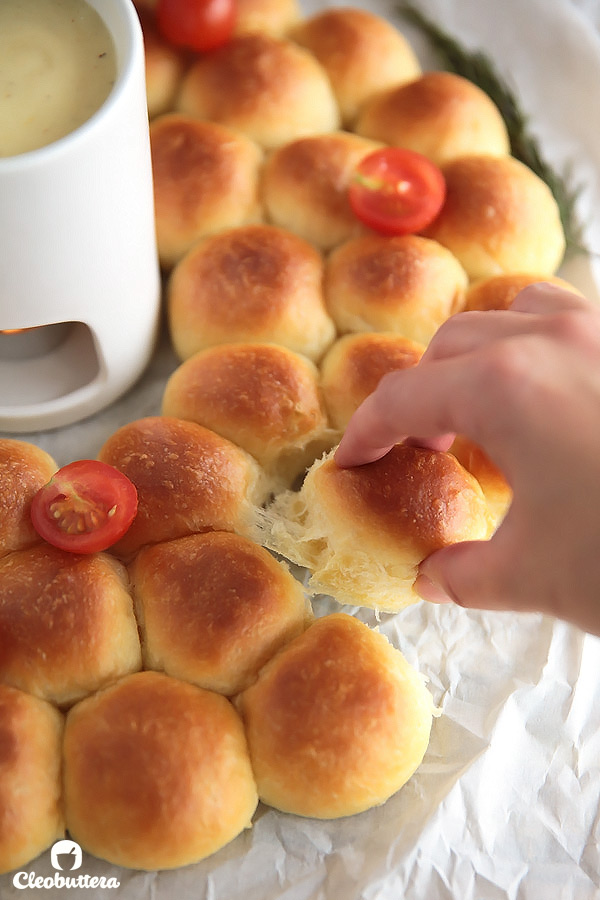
(427, 590)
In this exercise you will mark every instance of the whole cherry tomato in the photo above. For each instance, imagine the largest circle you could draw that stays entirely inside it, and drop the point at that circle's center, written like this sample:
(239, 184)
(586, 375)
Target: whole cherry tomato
(397, 191)
(198, 25)
(85, 507)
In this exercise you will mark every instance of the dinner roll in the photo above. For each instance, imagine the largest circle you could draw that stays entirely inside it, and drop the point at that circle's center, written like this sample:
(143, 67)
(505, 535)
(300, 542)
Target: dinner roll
(499, 291)
(205, 180)
(305, 187)
(156, 773)
(213, 608)
(263, 397)
(24, 469)
(188, 480)
(439, 114)
(273, 17)
(362, 532)
(268, 88)
(254, 283)
(494, 485)
(406, 284)
(164, 64)
(30, 755)
(66, 623)
(354, 366)
(498, 217)
(361, 52)
(337, 722)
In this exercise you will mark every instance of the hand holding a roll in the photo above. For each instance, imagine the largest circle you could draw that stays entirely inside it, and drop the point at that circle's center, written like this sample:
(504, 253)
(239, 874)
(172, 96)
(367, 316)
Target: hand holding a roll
(523, 383)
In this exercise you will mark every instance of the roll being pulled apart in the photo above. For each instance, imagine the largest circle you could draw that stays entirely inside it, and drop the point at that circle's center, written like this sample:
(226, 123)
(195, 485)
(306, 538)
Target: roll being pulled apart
(363, 531)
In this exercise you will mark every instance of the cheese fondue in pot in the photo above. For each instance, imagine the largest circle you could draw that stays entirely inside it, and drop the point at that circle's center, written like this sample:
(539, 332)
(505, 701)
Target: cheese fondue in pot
(57, 67)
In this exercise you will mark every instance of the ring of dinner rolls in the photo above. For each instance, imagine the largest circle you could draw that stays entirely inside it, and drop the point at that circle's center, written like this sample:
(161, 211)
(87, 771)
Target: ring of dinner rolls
(268, 88)
(406, 284)
(213, 608)
(337, 722)
(188, 480)
(31, 817)
(255, 283)
(24, 469)
(67, 626)
(156, 773)
(440, 114)
(206, 178)
(362, 532)
(361, 52)
(498, 217)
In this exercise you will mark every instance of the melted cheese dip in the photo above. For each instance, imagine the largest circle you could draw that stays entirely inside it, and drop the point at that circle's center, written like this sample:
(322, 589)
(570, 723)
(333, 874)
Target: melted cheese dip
(57, 67)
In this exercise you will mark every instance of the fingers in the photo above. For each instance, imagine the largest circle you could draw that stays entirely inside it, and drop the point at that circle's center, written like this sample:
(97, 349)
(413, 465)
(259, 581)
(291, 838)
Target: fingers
(544, 298)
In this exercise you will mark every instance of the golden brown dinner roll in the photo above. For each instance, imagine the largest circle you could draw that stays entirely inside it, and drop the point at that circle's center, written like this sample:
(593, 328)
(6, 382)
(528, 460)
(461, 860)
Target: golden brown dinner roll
(361, 52)
(337, 722)
(406, 284)
(498, 217)
(305, 187)
(355, 364)
(273, 17)
(494, 485)
(205, 180)
(268, 88)
(156, 773)
(362, 532)
(188, 480)
(263, 397)
(164, 64)
(254, 283)
(213, 608)
(499, 291)
(24, 469)
(30, 756)
(66, 623)
(439, 114)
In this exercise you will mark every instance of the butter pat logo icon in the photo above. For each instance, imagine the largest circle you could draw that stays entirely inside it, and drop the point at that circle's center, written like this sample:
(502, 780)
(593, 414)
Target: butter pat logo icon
(66, 856)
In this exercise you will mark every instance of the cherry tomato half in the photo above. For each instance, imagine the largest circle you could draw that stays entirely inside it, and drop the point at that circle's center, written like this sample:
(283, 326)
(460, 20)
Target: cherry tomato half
(397, 191)
(85, 507)
(198, 25)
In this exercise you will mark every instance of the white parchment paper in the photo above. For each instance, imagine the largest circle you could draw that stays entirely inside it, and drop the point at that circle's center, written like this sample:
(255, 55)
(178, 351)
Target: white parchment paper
(506, 803)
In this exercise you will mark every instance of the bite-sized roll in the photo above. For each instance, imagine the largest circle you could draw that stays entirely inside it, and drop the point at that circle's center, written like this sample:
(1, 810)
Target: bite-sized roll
(498, 217)
(164, 64)
(337, 722)
(31, 816)
(355, 364)
(254, 283)
(156, 773)
(24, 469)
(494, 485)
(305, 187)
(362, 532)
(439, 114)
(263, 397)
(67, 625)
(406, 284)
(268, 88)
(213, 608)
(273, 17)
(188, 480)
(361, 52)
(205, 180)
(499, 291)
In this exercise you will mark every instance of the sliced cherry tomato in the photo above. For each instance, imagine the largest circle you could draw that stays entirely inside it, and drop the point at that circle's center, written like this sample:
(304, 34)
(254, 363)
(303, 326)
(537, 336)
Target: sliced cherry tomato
(198, 25)
(397, 191)
(85, 507)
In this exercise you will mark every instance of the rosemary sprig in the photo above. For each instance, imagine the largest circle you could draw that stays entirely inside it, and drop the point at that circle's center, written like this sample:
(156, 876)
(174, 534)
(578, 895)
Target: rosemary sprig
(480, 69)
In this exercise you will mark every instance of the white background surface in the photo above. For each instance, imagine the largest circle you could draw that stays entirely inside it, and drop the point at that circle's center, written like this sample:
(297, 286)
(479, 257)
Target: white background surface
(506, 803)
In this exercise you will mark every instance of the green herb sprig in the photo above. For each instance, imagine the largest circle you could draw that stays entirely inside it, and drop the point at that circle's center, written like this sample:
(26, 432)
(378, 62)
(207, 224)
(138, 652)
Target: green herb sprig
(524, 145)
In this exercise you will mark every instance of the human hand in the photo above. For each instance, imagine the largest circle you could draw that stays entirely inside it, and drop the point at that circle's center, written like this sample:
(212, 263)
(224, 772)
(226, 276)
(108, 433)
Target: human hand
(524, 384)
